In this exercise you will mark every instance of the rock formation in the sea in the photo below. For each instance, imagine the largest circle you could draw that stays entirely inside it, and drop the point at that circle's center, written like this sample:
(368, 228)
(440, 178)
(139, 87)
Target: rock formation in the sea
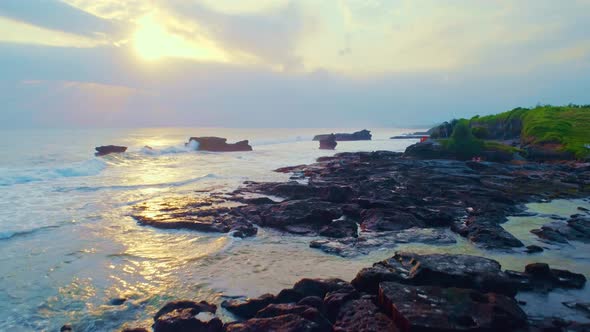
(218, 144)
(407, 292)
(362, 135)
(328, 142)
(108, 149)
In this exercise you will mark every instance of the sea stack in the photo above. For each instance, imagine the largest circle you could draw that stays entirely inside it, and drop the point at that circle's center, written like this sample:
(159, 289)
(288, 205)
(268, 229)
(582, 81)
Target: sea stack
(328, 142)
(219, 144)
(108, 149)
(362, 135)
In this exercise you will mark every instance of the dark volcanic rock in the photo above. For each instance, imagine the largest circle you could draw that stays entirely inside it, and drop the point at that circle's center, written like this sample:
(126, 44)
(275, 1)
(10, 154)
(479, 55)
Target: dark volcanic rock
(539, 276)
(370, 241)
(284, 323)
(430, 308)
(187, 316)
(196, 307)
(487, 234)
(575, 229)
(310, 313)
(362, 135)
(66, 328)
(218, 144)
(108, 149)
(309, 215)
(328, 142)
(304, 288)
(248, 308)
(384, 192)
(340, 228)
(463, 271)
(195, 214)
(362, 316)
(533, 249)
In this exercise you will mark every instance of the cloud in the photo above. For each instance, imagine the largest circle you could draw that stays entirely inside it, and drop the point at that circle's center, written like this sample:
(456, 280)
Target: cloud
(270, 36)
(56, 15)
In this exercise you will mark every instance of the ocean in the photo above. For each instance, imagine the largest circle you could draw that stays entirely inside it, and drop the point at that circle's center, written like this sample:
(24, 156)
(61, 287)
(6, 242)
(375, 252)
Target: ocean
(68, 246)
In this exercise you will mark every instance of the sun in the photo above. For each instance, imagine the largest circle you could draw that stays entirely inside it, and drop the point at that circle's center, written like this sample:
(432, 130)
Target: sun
(153, 42)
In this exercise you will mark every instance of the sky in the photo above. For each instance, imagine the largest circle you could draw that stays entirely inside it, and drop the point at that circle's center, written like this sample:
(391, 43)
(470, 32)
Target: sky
(281, 63)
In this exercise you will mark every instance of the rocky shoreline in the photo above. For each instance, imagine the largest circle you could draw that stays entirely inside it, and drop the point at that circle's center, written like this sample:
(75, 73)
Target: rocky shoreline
(359, 202)
(407, 292)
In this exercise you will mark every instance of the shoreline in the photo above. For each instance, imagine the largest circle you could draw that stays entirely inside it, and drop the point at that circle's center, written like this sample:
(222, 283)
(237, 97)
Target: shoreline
(314, 185)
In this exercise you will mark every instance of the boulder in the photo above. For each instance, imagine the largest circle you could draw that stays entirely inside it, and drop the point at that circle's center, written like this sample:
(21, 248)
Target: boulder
(187, 316)
(218, 144)
(362, 315)
(249, 307)
(362, 135)
(444, 270)
(432, 308)
(540, 277)
(284, 323)
(108, 149)
(328, 142)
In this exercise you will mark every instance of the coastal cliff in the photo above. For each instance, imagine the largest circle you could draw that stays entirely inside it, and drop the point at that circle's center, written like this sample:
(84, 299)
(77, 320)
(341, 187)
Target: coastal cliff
(542, 133)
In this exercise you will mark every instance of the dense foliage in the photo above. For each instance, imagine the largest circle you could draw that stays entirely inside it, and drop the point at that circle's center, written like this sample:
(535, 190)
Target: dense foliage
(463, 143)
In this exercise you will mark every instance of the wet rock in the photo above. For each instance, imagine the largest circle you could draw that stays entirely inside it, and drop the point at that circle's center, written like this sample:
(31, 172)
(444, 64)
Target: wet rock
(187, 316)
(320, 287)
(487, 234)
(581, 306)
(196, 307)
(108, 149)
(333, 301)
(445, 270)
(309, 313)
(66, 328)
(362, 316)
(575, 229)
(313, 301)
(310, 215)
(370, 241)
(340, 228)
(203, 215)
(186, 320)
(533, 249)
(248, 308)
(429, 149)
(431, 308)
(362, 135)
(541, 276)
(328, 142)
(273, 310)
(386, 220)
(218, 144)
(284, 323)
(117, 301)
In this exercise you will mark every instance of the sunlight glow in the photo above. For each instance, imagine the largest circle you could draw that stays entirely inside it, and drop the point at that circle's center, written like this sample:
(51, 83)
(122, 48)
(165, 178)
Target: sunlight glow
(153, 42)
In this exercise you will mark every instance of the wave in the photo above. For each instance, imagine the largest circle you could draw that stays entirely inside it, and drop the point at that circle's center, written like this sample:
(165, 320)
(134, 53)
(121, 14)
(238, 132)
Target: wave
(140, 186)
(12, 234)
(92, 167)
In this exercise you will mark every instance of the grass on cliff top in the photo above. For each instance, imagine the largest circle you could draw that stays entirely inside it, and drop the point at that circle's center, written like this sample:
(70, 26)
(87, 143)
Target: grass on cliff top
(566, 125)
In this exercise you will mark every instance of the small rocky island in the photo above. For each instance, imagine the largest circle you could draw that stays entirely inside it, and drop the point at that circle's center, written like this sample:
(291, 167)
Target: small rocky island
(362, 135)
(463, 182)
(218, 144)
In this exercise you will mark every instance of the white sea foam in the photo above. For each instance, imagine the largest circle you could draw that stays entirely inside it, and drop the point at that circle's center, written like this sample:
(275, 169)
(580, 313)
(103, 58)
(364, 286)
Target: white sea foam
(13, 176)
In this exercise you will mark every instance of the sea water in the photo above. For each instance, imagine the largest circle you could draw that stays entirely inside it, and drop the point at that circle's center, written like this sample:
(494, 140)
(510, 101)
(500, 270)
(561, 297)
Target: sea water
(68, 245)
